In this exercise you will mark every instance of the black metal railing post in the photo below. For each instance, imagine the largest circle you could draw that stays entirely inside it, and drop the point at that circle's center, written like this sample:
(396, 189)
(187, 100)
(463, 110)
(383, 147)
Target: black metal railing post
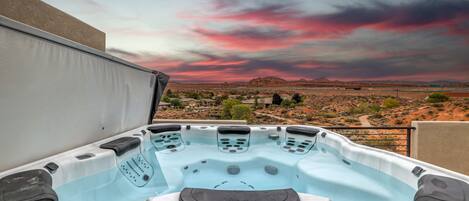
(409, 130)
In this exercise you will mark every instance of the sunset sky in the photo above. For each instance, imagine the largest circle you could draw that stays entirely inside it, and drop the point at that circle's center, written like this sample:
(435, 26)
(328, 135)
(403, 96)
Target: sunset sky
(231, 40)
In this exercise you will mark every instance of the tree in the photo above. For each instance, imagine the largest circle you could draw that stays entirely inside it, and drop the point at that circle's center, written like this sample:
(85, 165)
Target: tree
(227, 105)
(276, 99)
(169, 93)
(241, 112)
(437, 98)
(297, 98)
(287, 103)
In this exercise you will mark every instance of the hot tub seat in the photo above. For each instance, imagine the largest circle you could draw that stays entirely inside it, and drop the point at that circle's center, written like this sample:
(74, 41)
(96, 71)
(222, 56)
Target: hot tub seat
(240, 130)
(301, 130)
(436, 188)
(164, 128)
(121, 145)
(31, 185)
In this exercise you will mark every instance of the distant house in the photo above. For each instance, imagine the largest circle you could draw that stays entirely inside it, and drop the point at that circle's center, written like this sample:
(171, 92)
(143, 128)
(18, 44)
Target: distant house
(207, 102)
(264, 102)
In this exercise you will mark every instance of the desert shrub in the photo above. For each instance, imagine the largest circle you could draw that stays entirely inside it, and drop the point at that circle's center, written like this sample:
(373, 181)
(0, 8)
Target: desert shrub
(375, 108)
(351, 120)
(390, 103)
(208, 95)
(360, 109)
(363, 108)
(193, 95)
(172, 94)
(287, 103)
(398, 121)
(297, 98)
(175, 102)
(241, 112)
(437, 98)
(276, 99)
(227, 105)
(240, 97)
(166, 99)
(377, 116)
(329, 115)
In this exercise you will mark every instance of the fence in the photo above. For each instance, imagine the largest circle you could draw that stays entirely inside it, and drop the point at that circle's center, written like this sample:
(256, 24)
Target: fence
(395, 139)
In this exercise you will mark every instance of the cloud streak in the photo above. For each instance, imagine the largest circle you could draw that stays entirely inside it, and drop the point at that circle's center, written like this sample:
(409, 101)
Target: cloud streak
(286, 19)
(216, 68)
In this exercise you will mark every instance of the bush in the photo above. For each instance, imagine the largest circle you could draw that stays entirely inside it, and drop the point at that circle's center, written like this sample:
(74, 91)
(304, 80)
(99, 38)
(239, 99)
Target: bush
(437, 98)
(287, 103)
(297, 98)
(175, 102)
(227, 105)
(241, 112)
(390, 103)
(193, 95)
(276, 99)
(170, 94)
(363, 108)
(329, 115)
(351, 120)
(166, 99)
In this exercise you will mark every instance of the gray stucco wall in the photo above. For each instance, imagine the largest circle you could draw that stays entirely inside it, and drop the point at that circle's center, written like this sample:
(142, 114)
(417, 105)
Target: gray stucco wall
(43, 16)
(443, 143)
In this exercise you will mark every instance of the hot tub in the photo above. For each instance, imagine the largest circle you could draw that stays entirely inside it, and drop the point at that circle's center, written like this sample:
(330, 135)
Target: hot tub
(157, 161)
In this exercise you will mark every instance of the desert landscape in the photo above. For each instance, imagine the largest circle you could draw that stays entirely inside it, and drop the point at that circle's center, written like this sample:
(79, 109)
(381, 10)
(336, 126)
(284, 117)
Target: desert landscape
(323, 102)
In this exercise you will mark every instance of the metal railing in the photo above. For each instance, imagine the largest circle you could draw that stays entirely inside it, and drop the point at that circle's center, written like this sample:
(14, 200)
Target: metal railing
(395, 138)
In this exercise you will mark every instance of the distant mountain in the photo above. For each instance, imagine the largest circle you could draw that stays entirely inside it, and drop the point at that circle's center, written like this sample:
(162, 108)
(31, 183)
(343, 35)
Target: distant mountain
(321, 79)
(267, 81)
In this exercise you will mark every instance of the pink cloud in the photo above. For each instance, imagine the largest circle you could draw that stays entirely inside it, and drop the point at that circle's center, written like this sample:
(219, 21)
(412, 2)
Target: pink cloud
(251, 39)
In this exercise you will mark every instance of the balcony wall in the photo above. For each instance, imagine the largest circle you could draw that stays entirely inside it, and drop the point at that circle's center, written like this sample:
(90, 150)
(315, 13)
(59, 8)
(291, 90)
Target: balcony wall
(443, 143)
(40, 15)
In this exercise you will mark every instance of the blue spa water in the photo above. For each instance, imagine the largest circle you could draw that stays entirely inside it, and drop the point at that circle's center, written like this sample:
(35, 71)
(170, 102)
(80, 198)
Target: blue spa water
(320, 172)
